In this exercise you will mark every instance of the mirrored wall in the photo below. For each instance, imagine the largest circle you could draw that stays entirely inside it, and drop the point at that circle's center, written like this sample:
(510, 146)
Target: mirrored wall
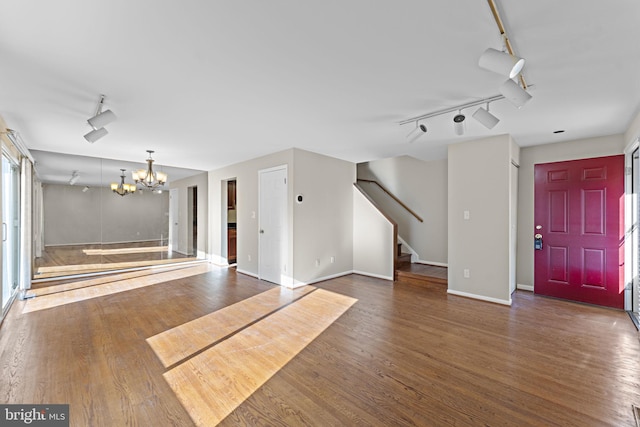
(83, 226)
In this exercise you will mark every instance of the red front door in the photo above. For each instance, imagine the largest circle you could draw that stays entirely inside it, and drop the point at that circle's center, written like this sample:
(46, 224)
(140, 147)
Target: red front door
(579, 209)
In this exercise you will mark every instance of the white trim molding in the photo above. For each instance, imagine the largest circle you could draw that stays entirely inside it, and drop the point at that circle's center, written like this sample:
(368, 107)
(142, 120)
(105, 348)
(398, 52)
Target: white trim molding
(480, 297)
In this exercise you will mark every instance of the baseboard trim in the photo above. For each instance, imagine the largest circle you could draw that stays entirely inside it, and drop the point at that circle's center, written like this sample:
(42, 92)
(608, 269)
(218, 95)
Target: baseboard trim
(297, 284)
(247, 273)
(479, 297)
(375, 276)
(437, 264)
(524, 287)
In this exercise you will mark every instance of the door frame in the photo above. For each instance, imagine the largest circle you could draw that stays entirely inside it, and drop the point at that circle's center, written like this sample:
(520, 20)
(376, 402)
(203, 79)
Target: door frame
(632, 233)
(15, 253)
(174, 219)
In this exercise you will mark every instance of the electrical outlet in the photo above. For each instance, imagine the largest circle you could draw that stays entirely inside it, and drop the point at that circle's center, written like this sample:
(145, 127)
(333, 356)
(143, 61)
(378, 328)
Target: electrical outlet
(249, 258)
(333, 259)
(466, 215)
(465, 273)
(317, 263)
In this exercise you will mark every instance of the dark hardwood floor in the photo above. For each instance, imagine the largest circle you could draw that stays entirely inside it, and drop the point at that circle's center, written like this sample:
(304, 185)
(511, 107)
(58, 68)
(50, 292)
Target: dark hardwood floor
(401, 355)
(70, 260)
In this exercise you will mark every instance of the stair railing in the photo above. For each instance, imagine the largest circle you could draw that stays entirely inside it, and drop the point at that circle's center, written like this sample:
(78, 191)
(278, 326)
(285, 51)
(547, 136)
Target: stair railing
(407, 208)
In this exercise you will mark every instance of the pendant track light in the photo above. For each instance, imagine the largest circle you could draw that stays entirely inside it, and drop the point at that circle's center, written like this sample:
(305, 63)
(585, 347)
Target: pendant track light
(95, 135)
(420, 128)
(487, 119)
(501, 62)
(458, 123)
(102, 119)
(99, 121)
(514, 93)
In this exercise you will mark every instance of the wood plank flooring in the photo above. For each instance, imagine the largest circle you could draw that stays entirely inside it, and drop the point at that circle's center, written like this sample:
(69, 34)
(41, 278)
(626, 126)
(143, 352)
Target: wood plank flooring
(400, 355)
(68, 260)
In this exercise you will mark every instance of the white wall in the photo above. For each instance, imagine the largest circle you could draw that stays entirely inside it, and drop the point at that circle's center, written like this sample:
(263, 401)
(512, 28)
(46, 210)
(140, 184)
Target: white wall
(72, 216)
(529, 156)
(184, 238)
(319, 228)
(422, 186)
(373, 239)
(479, 183)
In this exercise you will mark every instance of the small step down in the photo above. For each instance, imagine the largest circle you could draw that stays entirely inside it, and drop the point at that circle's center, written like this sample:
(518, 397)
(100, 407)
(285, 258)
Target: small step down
(431, 276)
(403, 260)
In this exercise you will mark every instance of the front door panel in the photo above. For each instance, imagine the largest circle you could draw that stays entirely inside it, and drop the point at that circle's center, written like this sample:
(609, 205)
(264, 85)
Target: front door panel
(579, 216)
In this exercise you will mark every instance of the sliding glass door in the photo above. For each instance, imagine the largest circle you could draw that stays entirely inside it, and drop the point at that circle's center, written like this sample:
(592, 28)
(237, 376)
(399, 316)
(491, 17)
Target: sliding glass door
(10, 230)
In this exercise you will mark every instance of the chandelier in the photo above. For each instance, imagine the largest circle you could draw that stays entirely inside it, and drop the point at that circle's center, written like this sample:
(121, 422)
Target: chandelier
(148, 177)
(121, 188)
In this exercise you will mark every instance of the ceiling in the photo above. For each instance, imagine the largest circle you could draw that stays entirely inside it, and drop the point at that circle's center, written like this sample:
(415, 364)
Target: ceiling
(211, 83)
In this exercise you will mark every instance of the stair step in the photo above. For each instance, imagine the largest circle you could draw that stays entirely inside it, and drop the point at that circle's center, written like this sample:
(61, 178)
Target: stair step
(403, 260)
(428, 276)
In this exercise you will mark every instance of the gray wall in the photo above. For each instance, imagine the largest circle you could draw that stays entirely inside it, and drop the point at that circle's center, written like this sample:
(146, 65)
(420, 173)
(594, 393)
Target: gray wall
(320, 228)
(373, 239)
(72, 216)
(422, 186)
(323, 222)
(480, 178)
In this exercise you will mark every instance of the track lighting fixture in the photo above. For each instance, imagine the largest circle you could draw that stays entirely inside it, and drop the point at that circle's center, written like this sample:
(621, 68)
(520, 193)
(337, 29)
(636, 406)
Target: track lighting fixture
(487, 119)
(514, 93)
(95, 135)
(420, 129)
(506, 63)
(75, 176)
(501, 62)
(458, 123)
(99, 121)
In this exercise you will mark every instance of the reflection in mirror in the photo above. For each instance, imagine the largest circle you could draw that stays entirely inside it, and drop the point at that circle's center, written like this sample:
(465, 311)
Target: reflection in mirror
(84, 226)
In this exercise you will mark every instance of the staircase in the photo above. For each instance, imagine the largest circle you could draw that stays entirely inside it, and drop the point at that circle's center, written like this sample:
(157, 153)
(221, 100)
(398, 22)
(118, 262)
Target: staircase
(425, 275)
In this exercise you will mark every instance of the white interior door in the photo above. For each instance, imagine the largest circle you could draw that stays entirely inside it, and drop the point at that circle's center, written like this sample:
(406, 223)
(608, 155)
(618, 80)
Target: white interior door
(272, 259)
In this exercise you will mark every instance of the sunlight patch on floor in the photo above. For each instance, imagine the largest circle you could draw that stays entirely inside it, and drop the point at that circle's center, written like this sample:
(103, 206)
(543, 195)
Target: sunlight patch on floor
(68, 297)
(215, 382)
(136, 250)
(178, 343)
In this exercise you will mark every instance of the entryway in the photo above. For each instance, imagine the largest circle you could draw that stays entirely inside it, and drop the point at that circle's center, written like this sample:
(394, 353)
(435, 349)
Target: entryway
(579, 230)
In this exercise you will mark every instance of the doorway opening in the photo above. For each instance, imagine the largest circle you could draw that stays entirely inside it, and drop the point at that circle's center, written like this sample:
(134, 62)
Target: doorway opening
(231, 222)
(192, 221)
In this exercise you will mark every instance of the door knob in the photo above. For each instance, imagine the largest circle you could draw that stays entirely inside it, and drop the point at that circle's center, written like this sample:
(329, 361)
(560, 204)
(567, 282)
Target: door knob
(261, 231)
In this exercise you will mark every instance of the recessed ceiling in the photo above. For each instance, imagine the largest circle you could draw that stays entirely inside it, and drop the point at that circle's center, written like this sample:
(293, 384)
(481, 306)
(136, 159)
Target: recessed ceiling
(207, 84)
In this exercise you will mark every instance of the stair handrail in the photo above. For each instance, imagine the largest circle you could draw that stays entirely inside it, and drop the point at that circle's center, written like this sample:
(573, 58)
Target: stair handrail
(407, 208)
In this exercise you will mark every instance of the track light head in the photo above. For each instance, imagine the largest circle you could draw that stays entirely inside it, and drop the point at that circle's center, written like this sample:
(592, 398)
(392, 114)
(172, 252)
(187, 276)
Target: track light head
(75, 176)
(95, 135)
(501, 62)
(102, 119)
(423, 128)
(485, 118)
(458, 123)
(514, 93)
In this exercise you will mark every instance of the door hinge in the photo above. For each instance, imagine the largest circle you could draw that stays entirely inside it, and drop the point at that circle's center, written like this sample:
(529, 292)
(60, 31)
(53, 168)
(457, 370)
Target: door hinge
(285, 180)
(628, 171)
